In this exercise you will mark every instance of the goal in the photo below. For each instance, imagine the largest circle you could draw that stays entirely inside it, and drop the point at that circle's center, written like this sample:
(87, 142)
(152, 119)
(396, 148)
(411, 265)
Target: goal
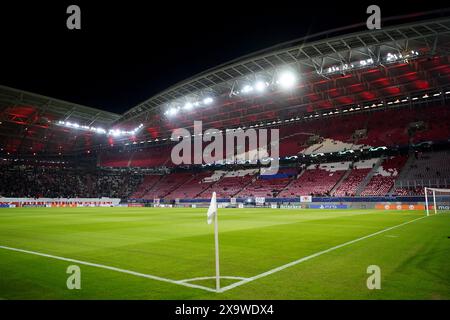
(437, 200)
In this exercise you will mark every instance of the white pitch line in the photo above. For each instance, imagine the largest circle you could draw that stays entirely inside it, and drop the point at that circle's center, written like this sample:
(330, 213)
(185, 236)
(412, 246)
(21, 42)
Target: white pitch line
(134, 273)
(213, 277)
(293, 263)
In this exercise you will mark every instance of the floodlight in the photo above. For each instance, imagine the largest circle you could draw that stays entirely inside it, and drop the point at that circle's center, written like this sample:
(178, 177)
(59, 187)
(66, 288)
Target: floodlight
(260, 86)
(207, 100)
(172, 111)
(247, 89)
(115, 133)
(188, 106)
(287, 80)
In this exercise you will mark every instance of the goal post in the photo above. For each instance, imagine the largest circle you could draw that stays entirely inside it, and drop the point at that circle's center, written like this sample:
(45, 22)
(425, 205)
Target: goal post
(442, 196)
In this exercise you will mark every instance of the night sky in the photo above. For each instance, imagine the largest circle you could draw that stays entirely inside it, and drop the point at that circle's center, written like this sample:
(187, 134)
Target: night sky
(128, 51)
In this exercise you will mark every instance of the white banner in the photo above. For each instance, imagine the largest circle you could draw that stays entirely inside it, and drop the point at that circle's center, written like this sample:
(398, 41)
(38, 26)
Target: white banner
(305, 199)
(260, 200)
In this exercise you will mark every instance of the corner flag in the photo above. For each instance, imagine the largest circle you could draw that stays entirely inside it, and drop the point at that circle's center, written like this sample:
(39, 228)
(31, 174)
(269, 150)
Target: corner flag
(212, 214)
(212, 211)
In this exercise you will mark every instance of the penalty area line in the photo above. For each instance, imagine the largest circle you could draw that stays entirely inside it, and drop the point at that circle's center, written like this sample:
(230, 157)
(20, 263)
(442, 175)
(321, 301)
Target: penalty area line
(96, 265)
(293, 263)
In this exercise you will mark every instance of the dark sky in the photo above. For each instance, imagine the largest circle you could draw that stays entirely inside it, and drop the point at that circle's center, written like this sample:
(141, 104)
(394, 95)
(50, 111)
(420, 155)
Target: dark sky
(128, 51)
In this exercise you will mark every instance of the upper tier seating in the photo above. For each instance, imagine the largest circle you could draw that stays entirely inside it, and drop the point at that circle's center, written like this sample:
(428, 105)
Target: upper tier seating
(384, 128)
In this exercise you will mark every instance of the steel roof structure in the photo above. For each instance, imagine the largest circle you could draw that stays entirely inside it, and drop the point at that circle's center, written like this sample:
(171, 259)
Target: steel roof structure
(336, 70)
(27, 122)
(308, 58)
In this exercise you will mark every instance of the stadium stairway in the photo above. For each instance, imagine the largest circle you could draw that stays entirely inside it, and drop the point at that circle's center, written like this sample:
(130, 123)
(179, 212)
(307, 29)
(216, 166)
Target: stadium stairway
(184, 183)
(367, 179)
(146, 186)
(207, 188)
(245, 186)
(337, 185)
(291, 182)
(403, 172)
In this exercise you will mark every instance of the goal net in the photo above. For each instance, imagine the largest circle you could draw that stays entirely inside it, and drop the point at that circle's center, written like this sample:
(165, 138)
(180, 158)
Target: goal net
(437, 200)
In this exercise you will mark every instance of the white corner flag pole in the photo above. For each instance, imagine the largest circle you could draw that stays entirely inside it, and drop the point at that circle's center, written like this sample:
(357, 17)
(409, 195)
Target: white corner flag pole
(212, 213)
(216, 240)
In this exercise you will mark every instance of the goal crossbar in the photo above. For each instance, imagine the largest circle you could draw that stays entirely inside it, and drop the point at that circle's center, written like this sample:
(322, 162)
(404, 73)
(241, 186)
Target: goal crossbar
(433, 190)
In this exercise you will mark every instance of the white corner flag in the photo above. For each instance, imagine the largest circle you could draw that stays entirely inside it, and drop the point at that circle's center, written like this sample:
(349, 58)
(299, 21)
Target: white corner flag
(212, 210)
(212, 214)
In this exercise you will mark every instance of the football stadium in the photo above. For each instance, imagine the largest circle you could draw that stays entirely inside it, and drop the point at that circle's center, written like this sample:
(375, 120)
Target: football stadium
(314, 169)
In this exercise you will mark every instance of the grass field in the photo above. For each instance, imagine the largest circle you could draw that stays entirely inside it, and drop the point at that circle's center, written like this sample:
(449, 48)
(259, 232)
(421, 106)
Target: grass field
(177, 245)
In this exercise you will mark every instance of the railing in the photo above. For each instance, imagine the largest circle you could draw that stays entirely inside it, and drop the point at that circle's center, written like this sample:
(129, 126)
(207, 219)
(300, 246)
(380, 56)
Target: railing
(435, 183)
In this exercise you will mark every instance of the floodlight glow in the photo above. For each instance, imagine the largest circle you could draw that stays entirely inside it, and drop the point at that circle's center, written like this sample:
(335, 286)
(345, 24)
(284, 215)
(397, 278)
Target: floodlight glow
(188, 106)
(287, 80)
(207, 100)
(172, 111)
(115, 133)
(247, 89)
(260, 86)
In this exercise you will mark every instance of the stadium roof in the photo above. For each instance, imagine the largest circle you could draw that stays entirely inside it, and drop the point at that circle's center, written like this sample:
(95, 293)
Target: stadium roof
(27, 122)
(307, 56)
(13, 103)
(334, 71)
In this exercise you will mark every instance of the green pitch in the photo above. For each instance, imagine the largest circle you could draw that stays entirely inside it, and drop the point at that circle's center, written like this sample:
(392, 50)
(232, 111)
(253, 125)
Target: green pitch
(170, 247)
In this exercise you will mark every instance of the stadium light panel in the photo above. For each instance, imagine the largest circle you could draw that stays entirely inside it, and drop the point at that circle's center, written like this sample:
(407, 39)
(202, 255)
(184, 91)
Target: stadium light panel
(247, 89)
(188, 106)
(172, 111)
(260, 86)
(208, 100)
(287, 80)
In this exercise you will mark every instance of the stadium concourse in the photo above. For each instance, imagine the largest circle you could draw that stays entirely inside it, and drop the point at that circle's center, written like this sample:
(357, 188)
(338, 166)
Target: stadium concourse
(360, 114)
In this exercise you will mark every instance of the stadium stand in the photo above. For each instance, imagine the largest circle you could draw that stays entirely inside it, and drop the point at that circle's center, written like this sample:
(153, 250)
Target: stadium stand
(192, 188)
(349, 186)
(268, 186)
(228, 184)
(38, 182)
(327, 123)
(426, 169)
(334, 134)
(383, 180)
(166, 185)
(317, 179)
(147, 184)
